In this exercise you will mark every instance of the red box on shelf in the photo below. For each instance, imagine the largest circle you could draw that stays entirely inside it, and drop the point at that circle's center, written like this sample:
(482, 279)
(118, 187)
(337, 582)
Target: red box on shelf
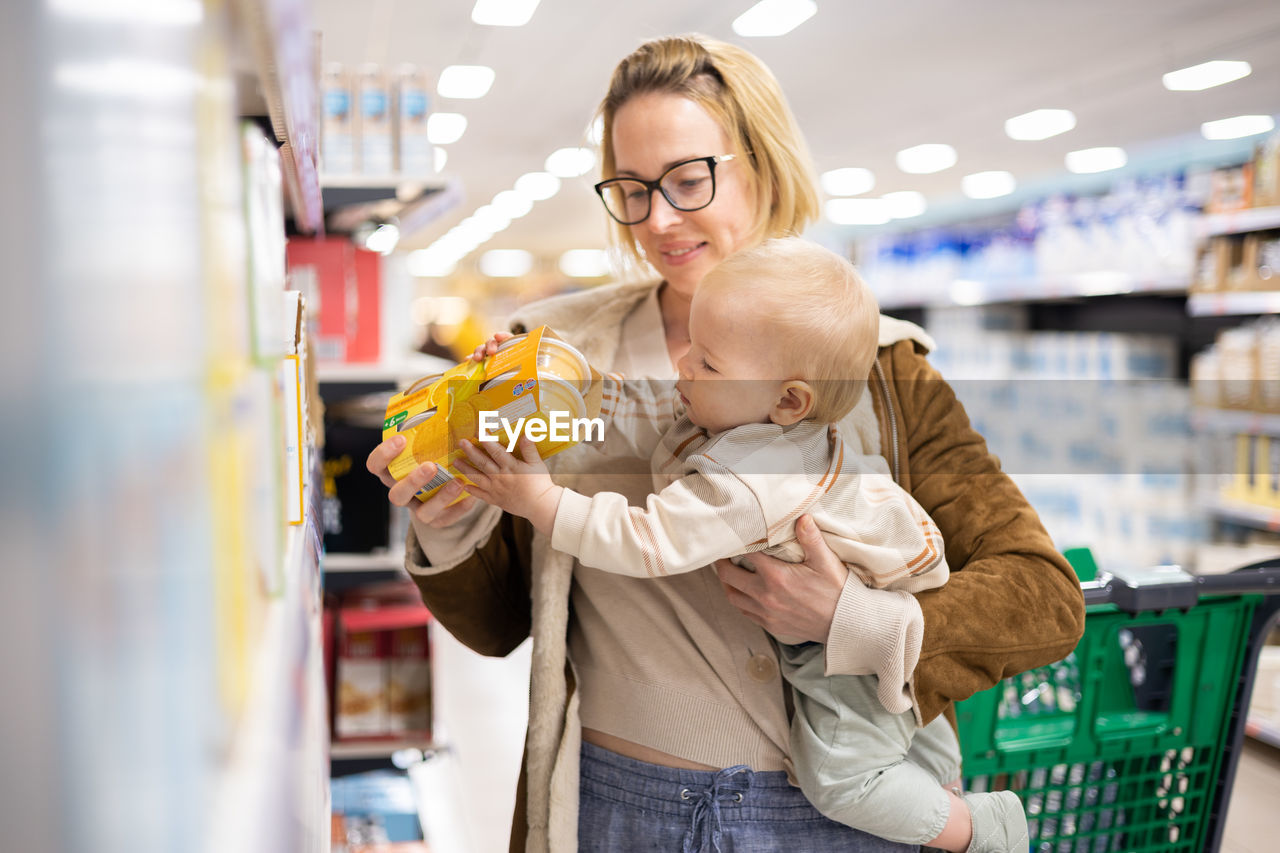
(343, 286)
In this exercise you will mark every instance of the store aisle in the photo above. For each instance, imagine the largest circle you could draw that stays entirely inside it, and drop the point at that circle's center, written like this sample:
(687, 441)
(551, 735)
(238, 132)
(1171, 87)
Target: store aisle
(1253, 820)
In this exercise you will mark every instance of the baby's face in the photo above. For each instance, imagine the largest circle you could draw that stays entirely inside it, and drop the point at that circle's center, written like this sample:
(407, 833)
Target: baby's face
(731, 374)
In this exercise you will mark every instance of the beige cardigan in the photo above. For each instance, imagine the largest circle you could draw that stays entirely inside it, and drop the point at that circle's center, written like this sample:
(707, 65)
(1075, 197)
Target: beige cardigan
(592, 320)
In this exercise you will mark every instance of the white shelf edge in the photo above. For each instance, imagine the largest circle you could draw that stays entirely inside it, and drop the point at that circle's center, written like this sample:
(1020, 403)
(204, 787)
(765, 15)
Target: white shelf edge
(1253, 515)
(1046, 289)
(1239, 221)
(376, 561)
(356, 749)
(1233, 302)
(1235, 421)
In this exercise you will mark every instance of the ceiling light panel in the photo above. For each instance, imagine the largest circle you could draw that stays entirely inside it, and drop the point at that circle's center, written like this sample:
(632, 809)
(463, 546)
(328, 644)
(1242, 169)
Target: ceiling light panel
(506, 263)
(905, 204)
(491, 219)
(465, 82)
(773, 18)
(571, 162)
(988, 184)
(445, 128)
(503, 13)
(847, 181)
(1206, 75)
(1039, 124)
(926, 159)
(537, 186)
(856, 211)
(1236, 127)
(1087, 161)
(512, 203)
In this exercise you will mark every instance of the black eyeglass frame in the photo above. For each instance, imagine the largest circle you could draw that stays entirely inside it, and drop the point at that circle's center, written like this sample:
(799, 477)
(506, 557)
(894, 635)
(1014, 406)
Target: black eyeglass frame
(711, 162)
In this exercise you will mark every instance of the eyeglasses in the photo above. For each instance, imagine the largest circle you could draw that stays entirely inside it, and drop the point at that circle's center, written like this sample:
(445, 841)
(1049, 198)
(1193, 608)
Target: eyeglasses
(689, 185)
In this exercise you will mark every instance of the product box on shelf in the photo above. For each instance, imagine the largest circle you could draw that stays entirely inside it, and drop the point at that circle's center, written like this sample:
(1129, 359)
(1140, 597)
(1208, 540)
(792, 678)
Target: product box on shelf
(1230, 189)
(343, 285)
(1267, 395)
(1266, 172)
(382, 671)
(355, 515)
(535, 384)
(376, 128)
(408, 681)
(361, 706)
(1271, 473)
(337, 121)
(1230, 262)
(376, 812)
(1261, 261)
(415, 155)
(1237, 350)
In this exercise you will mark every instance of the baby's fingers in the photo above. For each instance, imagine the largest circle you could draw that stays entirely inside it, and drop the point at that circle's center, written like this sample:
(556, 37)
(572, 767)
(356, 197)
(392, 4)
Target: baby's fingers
(479, 459)
(472, 473)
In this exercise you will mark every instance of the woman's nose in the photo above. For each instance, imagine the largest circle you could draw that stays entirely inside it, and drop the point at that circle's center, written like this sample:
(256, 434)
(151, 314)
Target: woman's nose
(661, 214)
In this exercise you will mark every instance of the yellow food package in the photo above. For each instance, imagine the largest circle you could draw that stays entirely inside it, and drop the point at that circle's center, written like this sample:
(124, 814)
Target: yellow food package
(535, 384)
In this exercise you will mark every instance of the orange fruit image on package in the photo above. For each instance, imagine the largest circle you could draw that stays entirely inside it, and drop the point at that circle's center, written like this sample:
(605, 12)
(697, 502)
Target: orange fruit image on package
(535, 383)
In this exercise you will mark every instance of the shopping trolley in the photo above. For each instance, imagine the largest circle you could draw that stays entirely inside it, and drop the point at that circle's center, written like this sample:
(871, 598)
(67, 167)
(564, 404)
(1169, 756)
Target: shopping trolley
(1131, 742)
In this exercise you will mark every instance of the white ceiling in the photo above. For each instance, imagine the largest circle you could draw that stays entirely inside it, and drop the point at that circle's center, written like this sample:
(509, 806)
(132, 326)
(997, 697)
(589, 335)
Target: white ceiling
(865, 78)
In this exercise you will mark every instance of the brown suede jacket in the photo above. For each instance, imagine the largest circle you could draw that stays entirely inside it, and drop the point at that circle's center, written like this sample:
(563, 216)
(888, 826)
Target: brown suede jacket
(1012, 601)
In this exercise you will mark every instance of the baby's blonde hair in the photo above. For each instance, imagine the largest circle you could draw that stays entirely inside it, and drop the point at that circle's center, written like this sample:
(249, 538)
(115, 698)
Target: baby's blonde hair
(742, 95)
(818, 311)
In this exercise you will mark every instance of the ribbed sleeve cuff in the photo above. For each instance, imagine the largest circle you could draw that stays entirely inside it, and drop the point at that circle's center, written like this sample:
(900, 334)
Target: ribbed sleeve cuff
(571, 522)
(877, 631)
(430, 550)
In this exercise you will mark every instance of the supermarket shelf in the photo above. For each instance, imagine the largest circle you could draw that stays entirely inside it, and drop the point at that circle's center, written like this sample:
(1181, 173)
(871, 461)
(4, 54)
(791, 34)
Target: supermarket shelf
(1260, 728)
(1235, 421)
(374, 561)
(1252, 515)
(284, 52)
(1050, 289)
(414, 203)
(374, 748)
(1240, 221)
(1234, 302)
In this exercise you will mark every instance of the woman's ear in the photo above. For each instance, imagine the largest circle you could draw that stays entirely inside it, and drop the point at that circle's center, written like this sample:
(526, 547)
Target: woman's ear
(794, 403)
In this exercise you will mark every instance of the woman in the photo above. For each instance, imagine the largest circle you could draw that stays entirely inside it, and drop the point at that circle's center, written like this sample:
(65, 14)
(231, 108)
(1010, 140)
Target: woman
(668, 690)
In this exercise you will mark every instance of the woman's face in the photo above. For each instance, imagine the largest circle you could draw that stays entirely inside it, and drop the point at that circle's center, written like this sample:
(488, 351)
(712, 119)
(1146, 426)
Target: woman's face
(651, 133)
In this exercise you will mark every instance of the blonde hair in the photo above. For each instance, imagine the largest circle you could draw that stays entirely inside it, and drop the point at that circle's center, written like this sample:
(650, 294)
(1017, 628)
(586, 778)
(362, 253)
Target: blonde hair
(740, 93)
(820, 314)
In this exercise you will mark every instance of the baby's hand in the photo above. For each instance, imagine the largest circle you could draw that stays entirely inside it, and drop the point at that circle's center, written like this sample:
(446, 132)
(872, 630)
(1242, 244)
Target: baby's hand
(512, 484)
(490, 346)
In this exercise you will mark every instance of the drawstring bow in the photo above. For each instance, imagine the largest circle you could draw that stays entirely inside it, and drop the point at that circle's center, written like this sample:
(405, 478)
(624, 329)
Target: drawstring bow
(727, 786)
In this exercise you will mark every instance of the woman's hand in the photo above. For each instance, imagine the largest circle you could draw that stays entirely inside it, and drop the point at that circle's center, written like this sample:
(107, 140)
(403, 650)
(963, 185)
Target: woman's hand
(435, 511)
(792, 600)
(490, 346)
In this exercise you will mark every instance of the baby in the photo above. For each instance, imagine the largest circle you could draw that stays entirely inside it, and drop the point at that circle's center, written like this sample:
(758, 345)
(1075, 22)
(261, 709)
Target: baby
(782, 337)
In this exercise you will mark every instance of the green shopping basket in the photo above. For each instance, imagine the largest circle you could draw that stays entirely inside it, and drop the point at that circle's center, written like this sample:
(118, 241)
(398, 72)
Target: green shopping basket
(1131, 742)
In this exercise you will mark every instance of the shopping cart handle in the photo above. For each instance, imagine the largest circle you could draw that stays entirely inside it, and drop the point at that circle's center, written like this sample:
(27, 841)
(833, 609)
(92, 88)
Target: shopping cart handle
(1168, 587)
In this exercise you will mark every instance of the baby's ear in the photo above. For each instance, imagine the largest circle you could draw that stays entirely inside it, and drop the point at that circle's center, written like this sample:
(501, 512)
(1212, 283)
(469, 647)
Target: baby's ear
(795, 402)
